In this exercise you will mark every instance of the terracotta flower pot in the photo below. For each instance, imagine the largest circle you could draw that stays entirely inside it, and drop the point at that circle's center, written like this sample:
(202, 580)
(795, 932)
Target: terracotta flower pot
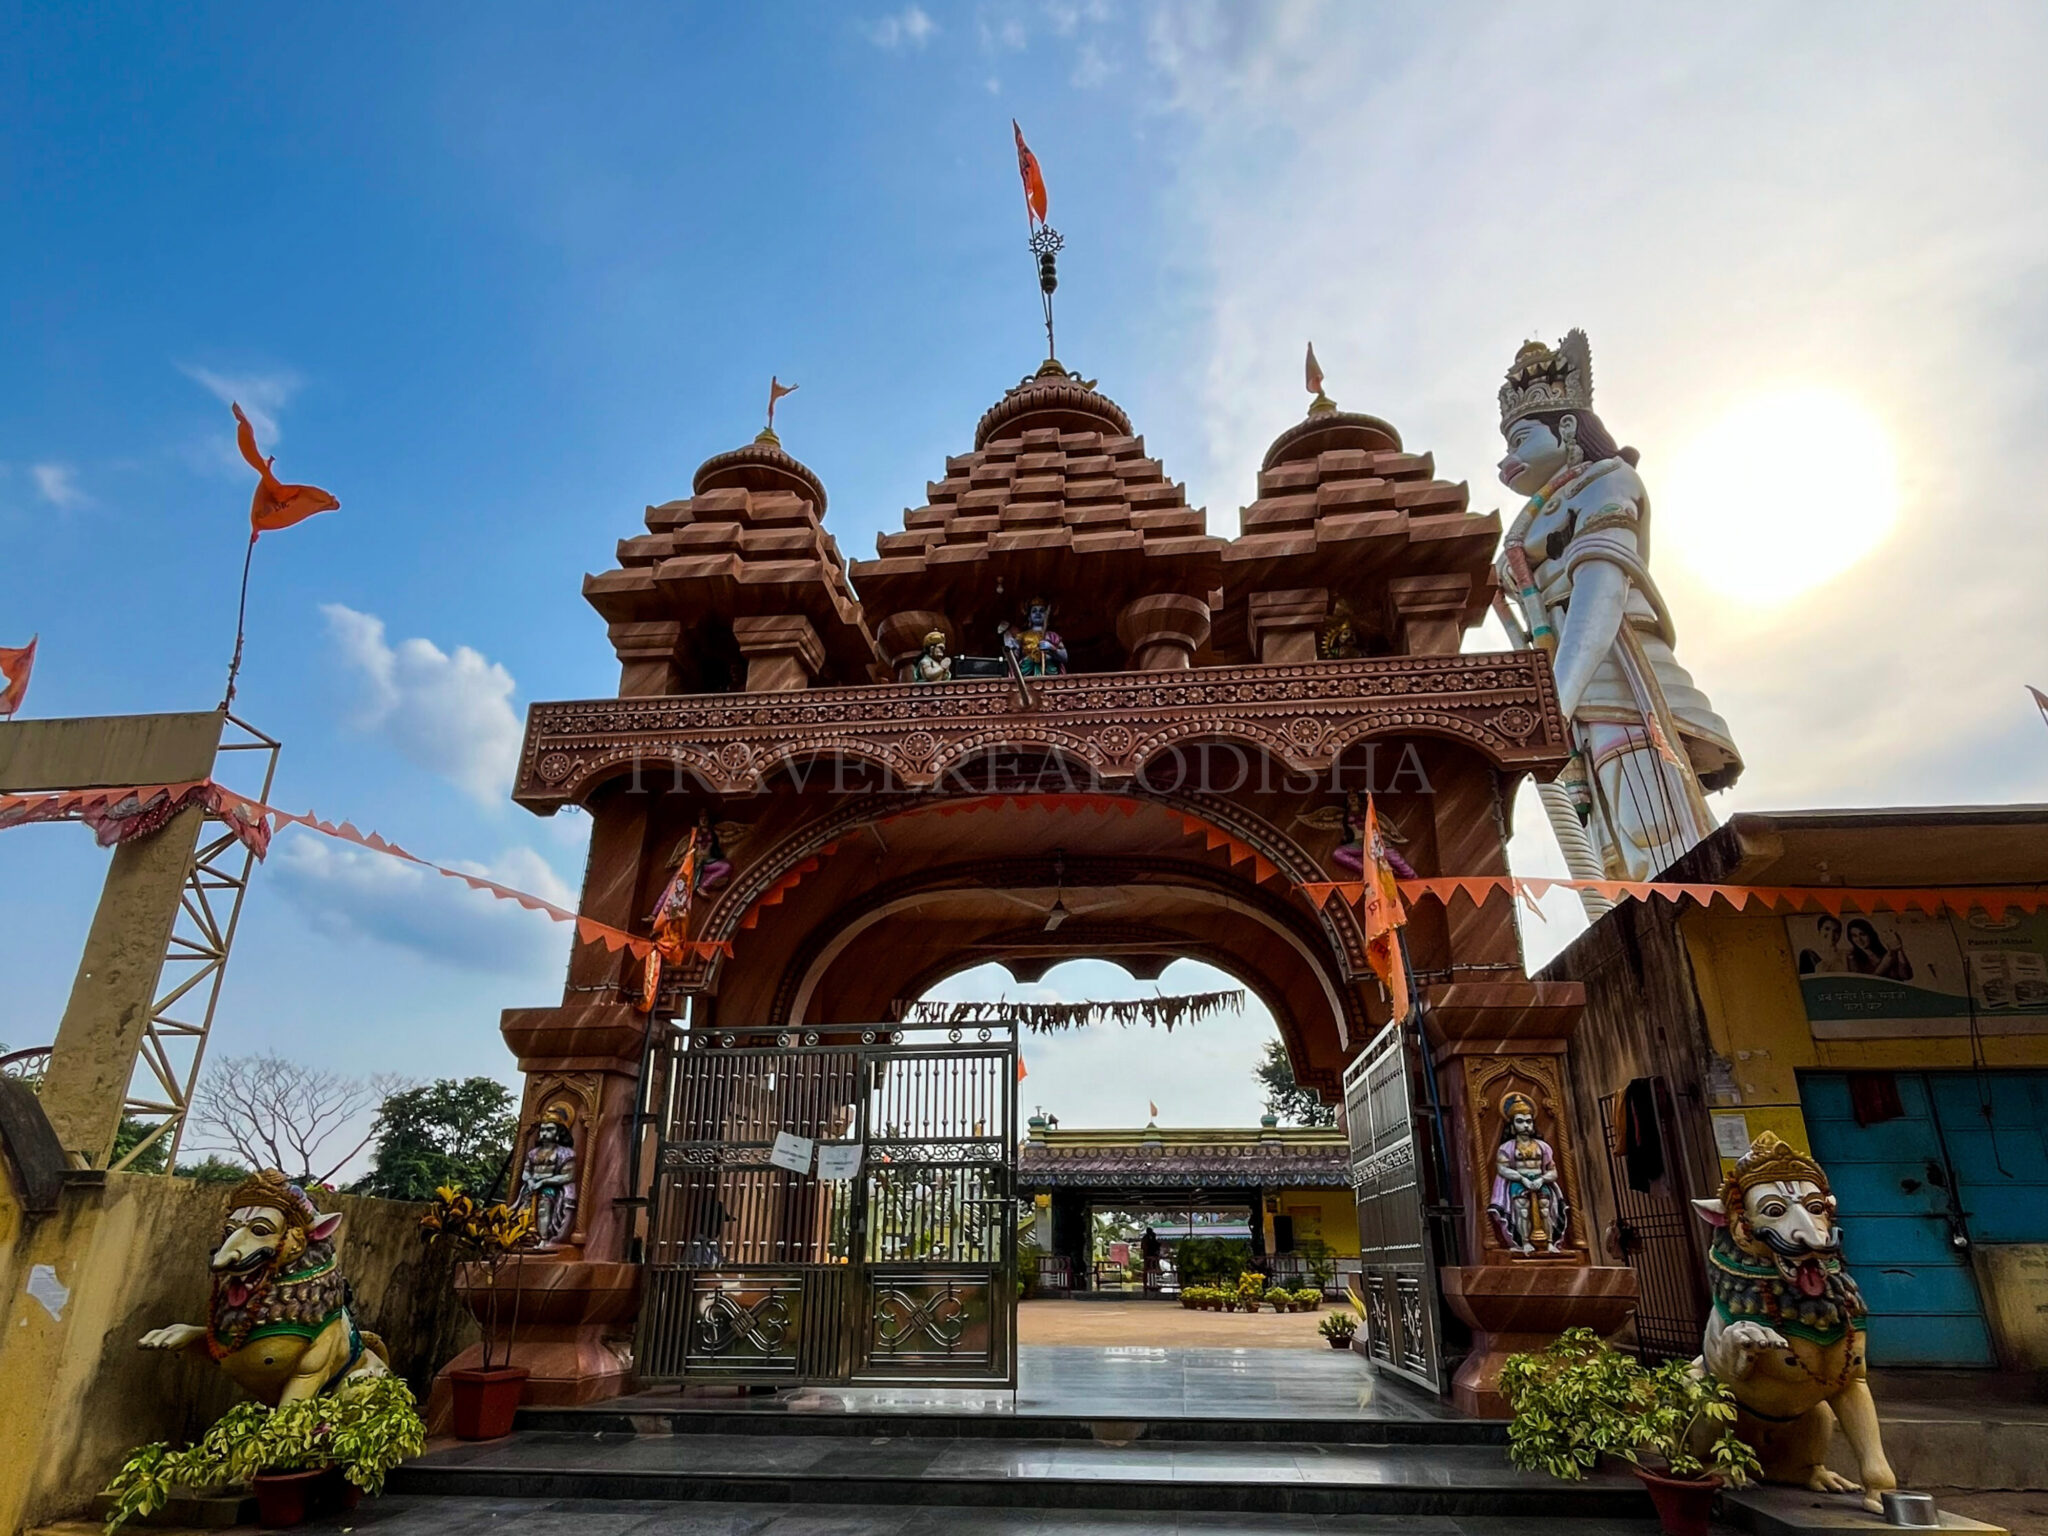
(484, 1401)
(284, 1499)
(1683, 1503)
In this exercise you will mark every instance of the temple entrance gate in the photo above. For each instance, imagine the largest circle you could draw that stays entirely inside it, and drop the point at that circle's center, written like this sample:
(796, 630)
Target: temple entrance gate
(833, 1206)
(1397, 1259)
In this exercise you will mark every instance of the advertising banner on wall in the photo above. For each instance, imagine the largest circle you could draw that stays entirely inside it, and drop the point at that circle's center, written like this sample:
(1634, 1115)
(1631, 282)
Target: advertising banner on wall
(1874, 974)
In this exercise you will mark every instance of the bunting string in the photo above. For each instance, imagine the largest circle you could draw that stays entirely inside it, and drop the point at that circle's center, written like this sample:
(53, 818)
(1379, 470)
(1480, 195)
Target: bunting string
(1996, 900)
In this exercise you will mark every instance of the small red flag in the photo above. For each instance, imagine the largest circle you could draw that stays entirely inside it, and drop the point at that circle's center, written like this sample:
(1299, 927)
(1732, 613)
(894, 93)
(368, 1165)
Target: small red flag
(15, 666)
(1034, 178)
(275, 505)
(1315, 371)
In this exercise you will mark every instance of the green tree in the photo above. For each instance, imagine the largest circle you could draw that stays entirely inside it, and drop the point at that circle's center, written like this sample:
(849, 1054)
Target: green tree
(129, 1134)
(213, 1169)
(446, 1132)
(1294, 1104)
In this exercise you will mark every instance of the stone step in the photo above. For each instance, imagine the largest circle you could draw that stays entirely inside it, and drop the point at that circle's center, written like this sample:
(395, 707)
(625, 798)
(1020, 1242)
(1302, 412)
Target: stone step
(641, 1417)
(1280, 1478)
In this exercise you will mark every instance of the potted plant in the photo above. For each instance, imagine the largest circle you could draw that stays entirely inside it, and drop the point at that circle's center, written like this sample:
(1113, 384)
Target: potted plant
(1310, 1298)
(485, 1397)
(1188, 1296)
(300, 1457)
(1338, 1328)
(1251, 1290)
(1581, 1399)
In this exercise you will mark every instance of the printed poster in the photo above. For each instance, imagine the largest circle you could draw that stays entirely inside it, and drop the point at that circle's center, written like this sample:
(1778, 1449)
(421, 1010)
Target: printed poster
(791, 1152)
(1905, 973)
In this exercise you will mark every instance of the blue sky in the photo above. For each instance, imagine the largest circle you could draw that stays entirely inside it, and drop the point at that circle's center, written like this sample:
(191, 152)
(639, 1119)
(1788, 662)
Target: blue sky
(499, 280)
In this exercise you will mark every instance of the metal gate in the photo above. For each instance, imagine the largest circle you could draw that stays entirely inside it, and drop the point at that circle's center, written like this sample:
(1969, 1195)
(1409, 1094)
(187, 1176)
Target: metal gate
(1655, 1230)
(1398, 1265)
(834, 1205)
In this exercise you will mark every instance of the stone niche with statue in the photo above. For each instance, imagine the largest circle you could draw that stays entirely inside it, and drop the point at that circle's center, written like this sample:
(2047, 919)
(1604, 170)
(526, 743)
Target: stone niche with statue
(1532, 1273)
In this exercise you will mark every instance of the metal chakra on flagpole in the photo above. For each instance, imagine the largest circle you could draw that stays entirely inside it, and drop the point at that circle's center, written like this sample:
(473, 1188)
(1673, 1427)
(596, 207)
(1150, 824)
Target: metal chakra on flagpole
(1046, 242)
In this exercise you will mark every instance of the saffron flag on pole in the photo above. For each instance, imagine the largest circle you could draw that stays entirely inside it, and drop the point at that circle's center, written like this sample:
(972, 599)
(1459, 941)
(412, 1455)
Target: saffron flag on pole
(1384, 916)
(1034, 178)
(15, 666)
(1314, 373)
(776, 390)
(275, 504)
(2040, 698)
(1021, 1073)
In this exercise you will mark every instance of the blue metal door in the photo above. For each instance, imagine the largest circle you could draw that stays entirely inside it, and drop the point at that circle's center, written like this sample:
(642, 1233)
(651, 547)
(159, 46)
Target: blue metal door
(1995, 1126)
(1900, 1220)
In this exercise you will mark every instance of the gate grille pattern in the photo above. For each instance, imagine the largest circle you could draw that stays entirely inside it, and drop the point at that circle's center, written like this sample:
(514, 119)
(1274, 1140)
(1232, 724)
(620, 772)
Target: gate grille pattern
(1397, 1268)
(1655, 1229)
(905, 1272)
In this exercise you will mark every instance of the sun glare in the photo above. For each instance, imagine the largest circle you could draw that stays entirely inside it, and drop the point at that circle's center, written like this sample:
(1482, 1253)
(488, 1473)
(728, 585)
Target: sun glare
(1786, 491)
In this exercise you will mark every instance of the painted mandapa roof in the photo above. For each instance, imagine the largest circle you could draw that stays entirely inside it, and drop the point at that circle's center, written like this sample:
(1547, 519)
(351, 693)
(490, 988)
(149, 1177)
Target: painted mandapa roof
(1294, 1158)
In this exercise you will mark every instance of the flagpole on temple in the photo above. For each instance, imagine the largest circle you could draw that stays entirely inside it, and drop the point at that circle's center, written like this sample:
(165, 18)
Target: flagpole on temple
(274, 506)
(1045, 241)
(241, 620)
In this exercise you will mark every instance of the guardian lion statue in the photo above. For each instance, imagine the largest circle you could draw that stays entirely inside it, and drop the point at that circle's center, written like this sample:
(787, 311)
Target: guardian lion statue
(281, 1321)
(1787, 1330)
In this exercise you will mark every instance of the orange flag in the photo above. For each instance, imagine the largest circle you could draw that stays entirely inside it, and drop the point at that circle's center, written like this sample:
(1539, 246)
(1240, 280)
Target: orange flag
(1315, 372)
(2040, 699)
(275, 505)
(776, 390)
(1021, 1073)
(1034, 178)
(1384, 916)
(15, 666)
(1154, 1108)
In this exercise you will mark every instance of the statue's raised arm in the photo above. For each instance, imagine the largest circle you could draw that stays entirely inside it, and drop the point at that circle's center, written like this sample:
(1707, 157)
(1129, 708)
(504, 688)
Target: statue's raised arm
(1576, 563)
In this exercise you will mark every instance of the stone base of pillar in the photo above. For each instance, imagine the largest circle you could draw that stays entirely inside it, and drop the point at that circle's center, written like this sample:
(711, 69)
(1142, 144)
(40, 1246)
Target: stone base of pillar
(574, 1323)
(1520, 1308)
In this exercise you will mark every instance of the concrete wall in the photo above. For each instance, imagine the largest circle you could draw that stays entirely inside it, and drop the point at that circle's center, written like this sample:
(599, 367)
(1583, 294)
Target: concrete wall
(129, 1252)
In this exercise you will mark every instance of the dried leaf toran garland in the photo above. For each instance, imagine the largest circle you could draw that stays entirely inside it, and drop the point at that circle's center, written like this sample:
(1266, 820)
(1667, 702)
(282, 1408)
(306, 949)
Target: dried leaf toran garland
(1044, 1018)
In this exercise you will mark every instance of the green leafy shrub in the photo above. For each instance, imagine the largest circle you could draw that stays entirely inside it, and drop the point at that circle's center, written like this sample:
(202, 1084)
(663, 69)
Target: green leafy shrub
(1251, 1287)
(1310, 1297)
(1338, 1325)
(1581, 1399)
(1209, 1260)
(365, 1430)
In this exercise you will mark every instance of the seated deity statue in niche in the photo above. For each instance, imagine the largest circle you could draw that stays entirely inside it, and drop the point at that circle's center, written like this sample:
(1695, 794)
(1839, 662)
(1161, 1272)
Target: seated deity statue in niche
(1648, 745)
(547, 1179)
(1036, 648)
(934, 666)
(1527, 1206)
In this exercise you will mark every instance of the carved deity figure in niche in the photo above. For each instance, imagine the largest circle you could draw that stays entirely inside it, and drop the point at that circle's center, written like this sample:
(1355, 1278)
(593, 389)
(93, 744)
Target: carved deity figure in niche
(1528, 1206)
(1338, 639)
(1648, 745)
(934, 666)
(1036, 647)
(547, 1178)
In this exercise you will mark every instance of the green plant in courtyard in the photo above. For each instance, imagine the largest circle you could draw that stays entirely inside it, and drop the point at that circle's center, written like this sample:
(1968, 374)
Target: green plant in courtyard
(1209, 1260)
(1581, 1399)
(1309, 1297)
(1251, 1289)
(1338, 1325)
(364, 1430)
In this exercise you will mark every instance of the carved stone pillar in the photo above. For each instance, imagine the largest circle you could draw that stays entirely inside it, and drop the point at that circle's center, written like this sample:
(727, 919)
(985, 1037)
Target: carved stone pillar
(1428, 613)
(647, 657)
(783, 652)
(1284, 625)
(902, 639)
(1490, 1059)
(1161, 633)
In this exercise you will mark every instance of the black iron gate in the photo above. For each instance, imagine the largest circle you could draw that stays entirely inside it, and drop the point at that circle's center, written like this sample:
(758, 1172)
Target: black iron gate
(1655, 1229)
(833, 1205)
(1397, 1263)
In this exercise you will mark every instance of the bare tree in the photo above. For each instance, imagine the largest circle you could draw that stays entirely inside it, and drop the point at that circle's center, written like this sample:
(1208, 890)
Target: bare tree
(273, 1113)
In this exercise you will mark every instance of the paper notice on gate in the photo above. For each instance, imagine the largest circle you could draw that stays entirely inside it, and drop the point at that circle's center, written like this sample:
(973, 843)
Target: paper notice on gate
(792, 1152)
(839, 1159)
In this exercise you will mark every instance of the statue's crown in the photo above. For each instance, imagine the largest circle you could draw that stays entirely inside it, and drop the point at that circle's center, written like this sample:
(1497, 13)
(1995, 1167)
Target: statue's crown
(1545, 379)
(270, 1187)
(1771, 1160)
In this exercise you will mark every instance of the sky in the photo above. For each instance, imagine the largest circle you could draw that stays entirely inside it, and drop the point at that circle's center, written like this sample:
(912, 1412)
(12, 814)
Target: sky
(501, 279)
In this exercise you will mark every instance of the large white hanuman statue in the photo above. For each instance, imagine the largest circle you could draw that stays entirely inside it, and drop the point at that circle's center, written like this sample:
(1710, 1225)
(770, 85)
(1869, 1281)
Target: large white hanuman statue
(1575, 565)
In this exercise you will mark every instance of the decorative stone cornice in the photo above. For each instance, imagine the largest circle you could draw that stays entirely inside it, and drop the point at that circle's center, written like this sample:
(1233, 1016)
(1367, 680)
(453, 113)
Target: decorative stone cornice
(1110, 724)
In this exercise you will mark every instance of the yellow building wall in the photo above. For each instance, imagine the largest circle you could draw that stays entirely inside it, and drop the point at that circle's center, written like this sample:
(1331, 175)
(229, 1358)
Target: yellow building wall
(1748, 984)
(1333, 1209)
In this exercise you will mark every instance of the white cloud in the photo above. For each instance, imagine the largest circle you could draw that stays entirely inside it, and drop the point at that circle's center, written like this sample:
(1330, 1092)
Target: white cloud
(1091, 67)
(354, 892)
(58, 484)
(1732, 203)
(450, 714)
(260, 395)
(909, 27)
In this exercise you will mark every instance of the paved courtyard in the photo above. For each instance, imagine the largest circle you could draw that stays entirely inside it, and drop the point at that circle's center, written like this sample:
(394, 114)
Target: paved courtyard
(1166, 1325)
